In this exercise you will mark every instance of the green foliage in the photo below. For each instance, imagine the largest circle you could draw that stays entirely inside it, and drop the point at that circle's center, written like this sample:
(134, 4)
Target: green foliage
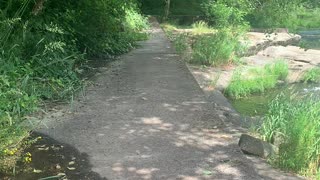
(312, 75)
(181, 43)
(218, 48)
(256, 80)
(43, 48)
(177, 7)
(225, 13)
(296, 122)
(309, 18)
(275, 13)
(261, 13)
(134, 21)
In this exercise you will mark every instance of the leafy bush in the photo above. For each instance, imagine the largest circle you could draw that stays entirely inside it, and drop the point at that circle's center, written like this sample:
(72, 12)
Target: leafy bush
(275, 13)
(134, 21)
(218, 48)
(256, 80)
(43, 47)
(309, 18)
(225, 13)
(296, 122)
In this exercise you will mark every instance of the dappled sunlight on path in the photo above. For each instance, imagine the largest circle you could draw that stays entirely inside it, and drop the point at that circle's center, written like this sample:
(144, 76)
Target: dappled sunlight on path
(147, 118)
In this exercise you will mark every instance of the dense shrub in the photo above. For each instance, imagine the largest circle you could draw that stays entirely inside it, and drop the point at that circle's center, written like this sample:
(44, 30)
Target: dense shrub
(261, 13)
(226, 13)
(43, 46)
(275, 13)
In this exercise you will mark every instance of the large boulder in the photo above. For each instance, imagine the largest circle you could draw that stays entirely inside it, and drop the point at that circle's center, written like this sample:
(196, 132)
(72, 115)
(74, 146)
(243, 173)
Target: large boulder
(257, 147)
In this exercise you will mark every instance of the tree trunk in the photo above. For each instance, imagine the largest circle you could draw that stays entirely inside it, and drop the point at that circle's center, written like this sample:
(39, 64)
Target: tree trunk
(167, 9)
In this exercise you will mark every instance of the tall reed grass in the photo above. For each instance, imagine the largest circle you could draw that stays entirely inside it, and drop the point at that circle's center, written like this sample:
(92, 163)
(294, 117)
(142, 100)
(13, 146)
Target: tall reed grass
(295, 121)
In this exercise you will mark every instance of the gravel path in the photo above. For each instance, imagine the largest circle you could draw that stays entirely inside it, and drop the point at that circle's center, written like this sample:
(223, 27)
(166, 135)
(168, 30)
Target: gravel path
(147, 118)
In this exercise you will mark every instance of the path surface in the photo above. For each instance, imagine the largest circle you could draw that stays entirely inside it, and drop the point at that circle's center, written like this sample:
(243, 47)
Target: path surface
(147, 118)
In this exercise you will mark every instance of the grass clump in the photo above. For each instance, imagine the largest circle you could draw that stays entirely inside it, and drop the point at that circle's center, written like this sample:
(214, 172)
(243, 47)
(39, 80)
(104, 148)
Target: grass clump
(201, 27)
(181, 43)
(218, 48)
(312, 75)
(296, 122)
(256, 80)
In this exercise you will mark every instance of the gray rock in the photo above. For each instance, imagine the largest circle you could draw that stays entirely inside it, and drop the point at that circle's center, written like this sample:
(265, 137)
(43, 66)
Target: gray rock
(257, 147)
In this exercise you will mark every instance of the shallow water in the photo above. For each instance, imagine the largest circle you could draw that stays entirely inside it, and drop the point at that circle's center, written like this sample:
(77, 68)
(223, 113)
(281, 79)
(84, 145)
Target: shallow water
(310, 38)
(257, 104)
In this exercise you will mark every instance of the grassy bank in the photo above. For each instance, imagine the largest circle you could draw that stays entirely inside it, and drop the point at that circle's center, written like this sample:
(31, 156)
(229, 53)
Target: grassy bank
(206, 45)
(44, 47)
(295, 123)
(256, 80)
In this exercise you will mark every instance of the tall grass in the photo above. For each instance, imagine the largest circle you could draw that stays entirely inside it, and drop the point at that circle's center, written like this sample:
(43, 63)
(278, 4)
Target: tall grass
(218, 48)
(312, 75)
(296, 122)
(181, 43)
(256, 80)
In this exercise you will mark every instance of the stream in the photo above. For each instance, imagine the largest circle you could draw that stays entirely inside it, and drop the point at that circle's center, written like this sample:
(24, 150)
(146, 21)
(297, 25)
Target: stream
(257, 104)
(310, 38)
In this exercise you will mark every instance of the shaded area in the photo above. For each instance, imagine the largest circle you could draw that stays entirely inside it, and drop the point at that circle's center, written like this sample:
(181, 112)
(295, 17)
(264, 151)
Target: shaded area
(51, 158)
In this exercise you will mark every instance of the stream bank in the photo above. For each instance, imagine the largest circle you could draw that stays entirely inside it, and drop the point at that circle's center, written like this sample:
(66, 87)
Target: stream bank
(299, 61)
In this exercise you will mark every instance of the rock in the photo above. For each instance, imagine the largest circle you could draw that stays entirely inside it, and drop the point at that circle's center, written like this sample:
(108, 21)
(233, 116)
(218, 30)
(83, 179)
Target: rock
(58, 166)
(257, 41)
(257, 147)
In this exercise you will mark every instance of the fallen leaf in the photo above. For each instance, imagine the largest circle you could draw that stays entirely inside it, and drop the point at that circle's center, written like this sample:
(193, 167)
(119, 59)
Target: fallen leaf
(37, 171)
(207, 173)
(61, 174)
(71, 168)
(43, 149)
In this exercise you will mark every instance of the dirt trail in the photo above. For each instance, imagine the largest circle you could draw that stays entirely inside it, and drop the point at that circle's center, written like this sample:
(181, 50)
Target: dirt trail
(147, 118)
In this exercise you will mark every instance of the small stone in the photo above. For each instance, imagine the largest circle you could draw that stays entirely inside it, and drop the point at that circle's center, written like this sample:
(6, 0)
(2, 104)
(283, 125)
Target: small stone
(257, 147)
(58, 166)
